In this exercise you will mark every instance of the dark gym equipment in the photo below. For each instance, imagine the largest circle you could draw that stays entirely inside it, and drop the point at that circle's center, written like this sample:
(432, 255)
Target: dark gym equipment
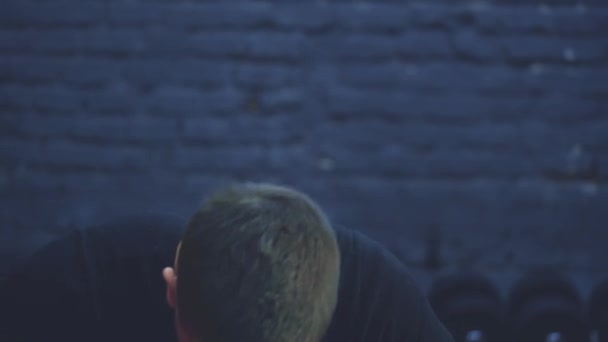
(470, 307)
(598, 310)
(544, 306)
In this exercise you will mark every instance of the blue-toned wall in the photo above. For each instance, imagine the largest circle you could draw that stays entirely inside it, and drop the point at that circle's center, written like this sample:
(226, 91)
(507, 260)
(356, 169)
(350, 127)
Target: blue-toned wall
(478, 130)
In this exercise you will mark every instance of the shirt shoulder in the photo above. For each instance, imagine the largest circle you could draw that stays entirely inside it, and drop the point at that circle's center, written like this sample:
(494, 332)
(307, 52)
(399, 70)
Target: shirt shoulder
(379, 299)
(95, 277)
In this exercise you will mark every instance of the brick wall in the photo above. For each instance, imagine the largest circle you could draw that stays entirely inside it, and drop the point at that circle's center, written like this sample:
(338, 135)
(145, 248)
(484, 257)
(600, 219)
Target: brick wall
(478, 130)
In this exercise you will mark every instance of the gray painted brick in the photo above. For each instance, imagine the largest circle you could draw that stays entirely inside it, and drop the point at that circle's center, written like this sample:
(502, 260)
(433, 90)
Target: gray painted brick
(126, 14)
(371, 17)
(420, 106)
(586, 82)
(34, 127)
(285, 100)
(151, 129)
(241, 130)
(462, 210)
(248, 161)
(220, 160)
(118, 99)
(399, 160)
(254, 44)
(64, 41)
(14, 98)
(377, 75)
(191, 15)
(204, 184)
(272, 45)
(354, 103)
(469, 44)
(56, 14)
(559, 109)
(282, 46)
(487, 79)
(356, 47)
(69, 155)
(553, 5)
(432, 76)
(424, 45)
(191, 72)
(537, 135)
(83, 183)
(16, 151)
(304, 17)
(558, 21)
(600, 165)
(45, 99)
(54, 100)
(36, 181)
(535, 48)
(166, 43)
(5, 180)
(243, 15)
(524, 137)
(74, 71)
(187, 101)
(291, 16)
(267, 75)
(148, 130)
(435, 16)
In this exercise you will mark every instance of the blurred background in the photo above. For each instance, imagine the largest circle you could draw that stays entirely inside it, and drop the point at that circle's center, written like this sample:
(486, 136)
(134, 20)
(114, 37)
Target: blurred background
(461, 135)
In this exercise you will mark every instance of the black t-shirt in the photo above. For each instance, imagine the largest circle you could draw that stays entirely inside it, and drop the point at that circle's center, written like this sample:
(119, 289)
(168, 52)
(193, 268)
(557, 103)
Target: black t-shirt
(104, 284)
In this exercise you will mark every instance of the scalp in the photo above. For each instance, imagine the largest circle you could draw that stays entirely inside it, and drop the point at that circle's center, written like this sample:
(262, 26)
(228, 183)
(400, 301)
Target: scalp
(259, 255)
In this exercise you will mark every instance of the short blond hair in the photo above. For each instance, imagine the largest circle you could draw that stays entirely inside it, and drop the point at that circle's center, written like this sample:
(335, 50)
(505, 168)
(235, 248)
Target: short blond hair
(258, 263)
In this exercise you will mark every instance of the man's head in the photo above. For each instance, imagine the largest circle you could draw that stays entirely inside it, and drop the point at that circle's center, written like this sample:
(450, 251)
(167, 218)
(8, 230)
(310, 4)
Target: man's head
(257, 263)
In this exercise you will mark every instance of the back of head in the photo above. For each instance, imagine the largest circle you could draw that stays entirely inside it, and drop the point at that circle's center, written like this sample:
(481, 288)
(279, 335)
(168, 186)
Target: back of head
(258, 263)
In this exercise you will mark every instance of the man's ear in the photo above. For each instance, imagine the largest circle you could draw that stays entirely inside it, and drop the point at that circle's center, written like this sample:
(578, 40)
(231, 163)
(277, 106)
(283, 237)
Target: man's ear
(171, 280)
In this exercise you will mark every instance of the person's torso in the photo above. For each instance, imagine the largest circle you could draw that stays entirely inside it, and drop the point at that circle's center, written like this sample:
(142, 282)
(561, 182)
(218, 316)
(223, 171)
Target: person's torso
(105, 282)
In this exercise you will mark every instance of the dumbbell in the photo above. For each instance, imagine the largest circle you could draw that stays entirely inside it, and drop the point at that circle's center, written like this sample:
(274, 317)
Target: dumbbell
(598, 311)
(469, 306)
(544, 306)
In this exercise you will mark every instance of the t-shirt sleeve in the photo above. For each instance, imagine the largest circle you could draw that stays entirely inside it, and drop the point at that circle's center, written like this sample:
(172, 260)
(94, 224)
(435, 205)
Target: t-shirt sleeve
(410, 314)
(97, 284)
(390, 306)
(46, 297)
